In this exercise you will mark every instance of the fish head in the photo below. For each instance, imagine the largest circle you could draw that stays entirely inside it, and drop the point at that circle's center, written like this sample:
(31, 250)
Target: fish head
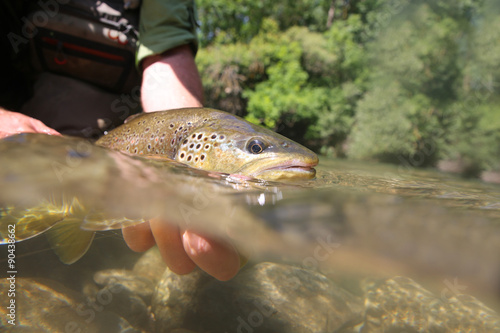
(239, 147)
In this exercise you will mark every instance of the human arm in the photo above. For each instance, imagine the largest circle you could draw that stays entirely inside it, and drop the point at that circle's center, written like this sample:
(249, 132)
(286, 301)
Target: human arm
(171, 80)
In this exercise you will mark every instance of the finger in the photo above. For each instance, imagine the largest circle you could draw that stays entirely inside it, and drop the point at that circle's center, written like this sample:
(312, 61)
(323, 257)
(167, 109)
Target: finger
(219, 259)
(139, 238)
(4, 134)
(39, 127)
(169, 242)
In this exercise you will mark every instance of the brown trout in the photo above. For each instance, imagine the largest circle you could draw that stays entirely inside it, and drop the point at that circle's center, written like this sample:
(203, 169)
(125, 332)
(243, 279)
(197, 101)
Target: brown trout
(213, 140)
(206, 139)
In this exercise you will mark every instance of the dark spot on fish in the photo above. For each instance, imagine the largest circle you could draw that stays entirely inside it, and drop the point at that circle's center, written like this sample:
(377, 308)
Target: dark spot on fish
(207, 147)
(128, 148)
(158, 122)
(196, 159)
(198, 146)
(206, 138)
(189, 123)
(214, 136)
(146, 129)
(202, 157)
(222, 137)
(149, 147)
(189, 158)
(171, 126)
(180, 128)
(193, 136)
(128, 131)
(181, 155)
(185, 130)
(200, 136)
(216, 144)
(172, 142)
(191, 146)
(135, 151)
(175, 132)
(152, 136)
(205, 120)
(184, 142)
(163, 121)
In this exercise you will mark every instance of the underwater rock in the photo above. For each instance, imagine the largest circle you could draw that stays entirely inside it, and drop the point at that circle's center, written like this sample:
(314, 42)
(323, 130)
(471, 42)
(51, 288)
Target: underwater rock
(125, 293)
(151, 265)
(267, 297)
(176, 298)
(127, 279)
(46, 306)
(400, 304)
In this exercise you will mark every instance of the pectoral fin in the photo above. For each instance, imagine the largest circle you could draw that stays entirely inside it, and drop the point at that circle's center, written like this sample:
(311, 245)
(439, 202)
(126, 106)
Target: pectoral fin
(68, 240)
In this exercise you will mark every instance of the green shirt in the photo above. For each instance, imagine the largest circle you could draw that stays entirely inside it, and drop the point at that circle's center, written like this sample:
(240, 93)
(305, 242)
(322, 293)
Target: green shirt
(165, 24)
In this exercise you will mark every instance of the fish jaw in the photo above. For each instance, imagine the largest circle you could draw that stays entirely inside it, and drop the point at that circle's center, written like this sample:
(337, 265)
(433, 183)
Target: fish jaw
(283, 173)
(281, 169)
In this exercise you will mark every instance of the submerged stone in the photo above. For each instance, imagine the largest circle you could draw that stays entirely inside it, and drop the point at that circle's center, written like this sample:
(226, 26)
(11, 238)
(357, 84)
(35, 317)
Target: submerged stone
(126, 294)
(400, 304)
(151, 265)
(46, 306)
(267, 297)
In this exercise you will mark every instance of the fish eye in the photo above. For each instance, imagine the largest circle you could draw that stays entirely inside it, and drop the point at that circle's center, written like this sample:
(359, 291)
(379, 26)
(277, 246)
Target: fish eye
(256, 146)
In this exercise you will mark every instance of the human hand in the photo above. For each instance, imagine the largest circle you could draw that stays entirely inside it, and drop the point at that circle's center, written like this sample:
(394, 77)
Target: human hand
(14, 123)
(182, 251)
(171, 80)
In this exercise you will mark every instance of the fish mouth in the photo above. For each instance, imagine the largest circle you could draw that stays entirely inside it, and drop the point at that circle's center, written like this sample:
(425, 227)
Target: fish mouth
(289, 170)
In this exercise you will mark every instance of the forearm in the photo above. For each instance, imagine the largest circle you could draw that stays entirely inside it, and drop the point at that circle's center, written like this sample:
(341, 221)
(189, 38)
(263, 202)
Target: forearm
(171, 80)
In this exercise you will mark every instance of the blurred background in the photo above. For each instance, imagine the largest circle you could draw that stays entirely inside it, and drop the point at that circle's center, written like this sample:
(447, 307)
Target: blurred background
(408, 82)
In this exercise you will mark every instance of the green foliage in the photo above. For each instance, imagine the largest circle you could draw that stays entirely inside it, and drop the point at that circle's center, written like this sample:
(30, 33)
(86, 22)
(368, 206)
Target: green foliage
(291, 79)
(474, 135)
(474, 119)
(413, 71)
(229, 21)
(381, 79)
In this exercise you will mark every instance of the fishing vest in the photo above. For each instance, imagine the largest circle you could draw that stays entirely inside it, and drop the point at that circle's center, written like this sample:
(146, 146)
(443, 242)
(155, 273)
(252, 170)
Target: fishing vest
(90, 40)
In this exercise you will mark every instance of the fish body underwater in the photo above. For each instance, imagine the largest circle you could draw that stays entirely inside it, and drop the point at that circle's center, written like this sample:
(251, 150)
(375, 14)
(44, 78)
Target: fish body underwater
(213, 140)
(201, 138)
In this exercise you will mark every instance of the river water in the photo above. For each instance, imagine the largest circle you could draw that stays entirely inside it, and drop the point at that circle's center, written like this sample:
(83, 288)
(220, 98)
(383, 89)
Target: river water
(417, 249)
